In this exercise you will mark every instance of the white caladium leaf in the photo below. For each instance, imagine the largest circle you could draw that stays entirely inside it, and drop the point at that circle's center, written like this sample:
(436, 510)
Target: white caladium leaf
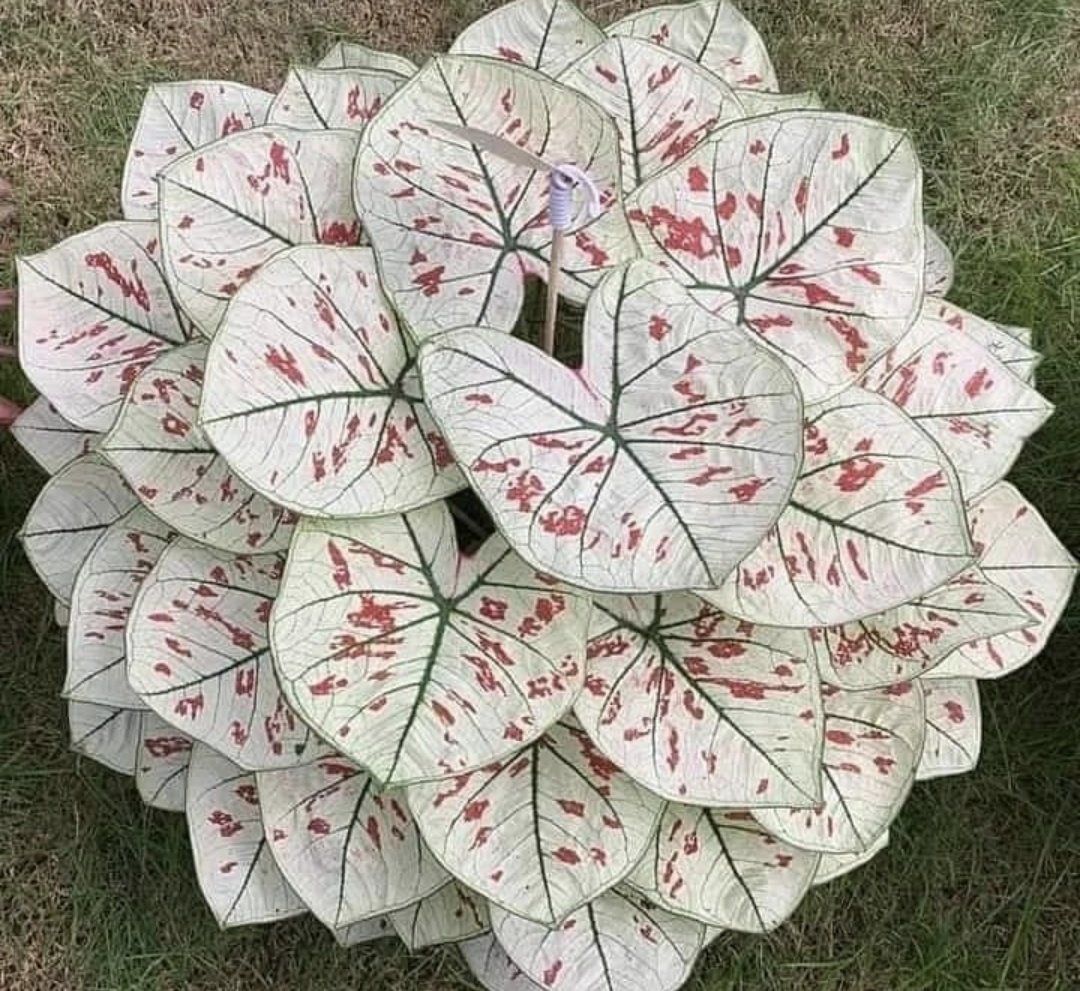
(664, 104)
(351, 852)
(835, 865)
(1022, 334)
(619, 942)
(671, 404)
(364, 932)
(544, 832)
(237, 874)
(311, 394)
(93, 312)
(456, 241)
(101, 602)
(162, 765)
(1020, 553)
(876, 520)
(175, 118)
(48, 438)
(329, 98)
(720, 867)
(711, 32)
(71, 512)
(450, 915)
(914, 638)
(701, 707)
(756, 102)
(198, 655)
(416, 661)
(1002, 342)
(61, 613)
(352, 55)
(106, 735)
(873, 742)
(977, 409)
(940, 266)
(805, 227)
(226, 208)
(168, 461)
(542, 34)
(493, 968)
(953, 728)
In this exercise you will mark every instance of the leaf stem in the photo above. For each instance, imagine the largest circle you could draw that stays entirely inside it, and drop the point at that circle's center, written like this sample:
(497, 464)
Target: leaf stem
(551, 311)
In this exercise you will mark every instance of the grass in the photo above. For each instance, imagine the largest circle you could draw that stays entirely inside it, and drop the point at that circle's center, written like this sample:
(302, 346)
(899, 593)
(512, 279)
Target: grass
(981, 885)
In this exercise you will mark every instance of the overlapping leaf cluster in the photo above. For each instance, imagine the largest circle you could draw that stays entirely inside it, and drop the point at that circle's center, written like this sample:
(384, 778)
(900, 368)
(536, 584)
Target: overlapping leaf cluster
(748, 561)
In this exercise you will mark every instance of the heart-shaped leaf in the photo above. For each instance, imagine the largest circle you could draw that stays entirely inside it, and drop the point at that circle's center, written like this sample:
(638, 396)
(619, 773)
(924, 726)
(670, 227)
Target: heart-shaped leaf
(198, 655)
(711, 32)
(456, 240)
(311, 394)
(912, 639)
(542, 34)
(351, 55)
(940, 267)
(616, 943)
(720, 867)
(48, 438)
(1003, 342)
(350, 851)
(237, 875)
(326, 98)
(162, 765)
(876, 520)
(106, 735)
(175, 118)
(953, 728)
(101, 602)
(659, 466)
(1020, 553)
(701, 707)
(805, 227)
(493, 968)
(418, 662)
(71, 512)
(227, 208)
(167, 459)
(973, 405)
(94, 311)
(663, 103)
(544, 832)
(450, 915)
(836, 865)
(873, 742)
(364, 932)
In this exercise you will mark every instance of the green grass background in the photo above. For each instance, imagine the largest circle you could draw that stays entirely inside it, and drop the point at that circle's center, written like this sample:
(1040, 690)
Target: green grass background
(981, 885)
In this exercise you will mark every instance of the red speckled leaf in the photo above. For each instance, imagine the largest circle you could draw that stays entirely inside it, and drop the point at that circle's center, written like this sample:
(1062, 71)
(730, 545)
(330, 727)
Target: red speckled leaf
(457, 229)
(94, 312)
(233, 862)
(198, 655)
(101, 602)
(873, 741)
(312, 396)
(48, 438)
(175, 118)
(914, 638)
(658, 466)
(542, 34)
(351, 851)
(416, 661)
(1010, 345)
(106, 735)
(71, 511)
(876, 520)
(940, 267)
(711, 32)
(720, 867)
(953, 728)
(836, 865)
(352, 55)
(493, 968)
(450, 915)
(327, 98)
(226, 208)
(168, 461)
(663, 103)
(1020, 553)
(701, 707)
(619, 942)
(805, 227)
(544, 832)
(977, 409)
(162, 764)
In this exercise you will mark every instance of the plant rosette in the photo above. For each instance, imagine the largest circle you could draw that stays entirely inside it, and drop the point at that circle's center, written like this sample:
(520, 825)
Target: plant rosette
(432, 633)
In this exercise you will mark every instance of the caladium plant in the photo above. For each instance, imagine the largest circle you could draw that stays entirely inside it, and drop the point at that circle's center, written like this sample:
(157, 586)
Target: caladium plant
(432, 633)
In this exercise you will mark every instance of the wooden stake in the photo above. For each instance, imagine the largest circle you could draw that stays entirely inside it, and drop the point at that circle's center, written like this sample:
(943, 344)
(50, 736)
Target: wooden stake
(551, 311)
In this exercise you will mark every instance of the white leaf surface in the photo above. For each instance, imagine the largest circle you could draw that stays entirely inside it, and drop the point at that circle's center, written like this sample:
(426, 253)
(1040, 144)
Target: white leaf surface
(162, 765)
(940, 266)
(493, 968)
(836, 865)
(332, 98)
(352, 55)
(105, 735)
(48, 438)
(450, 915)
(953, 728)
(756, 101)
